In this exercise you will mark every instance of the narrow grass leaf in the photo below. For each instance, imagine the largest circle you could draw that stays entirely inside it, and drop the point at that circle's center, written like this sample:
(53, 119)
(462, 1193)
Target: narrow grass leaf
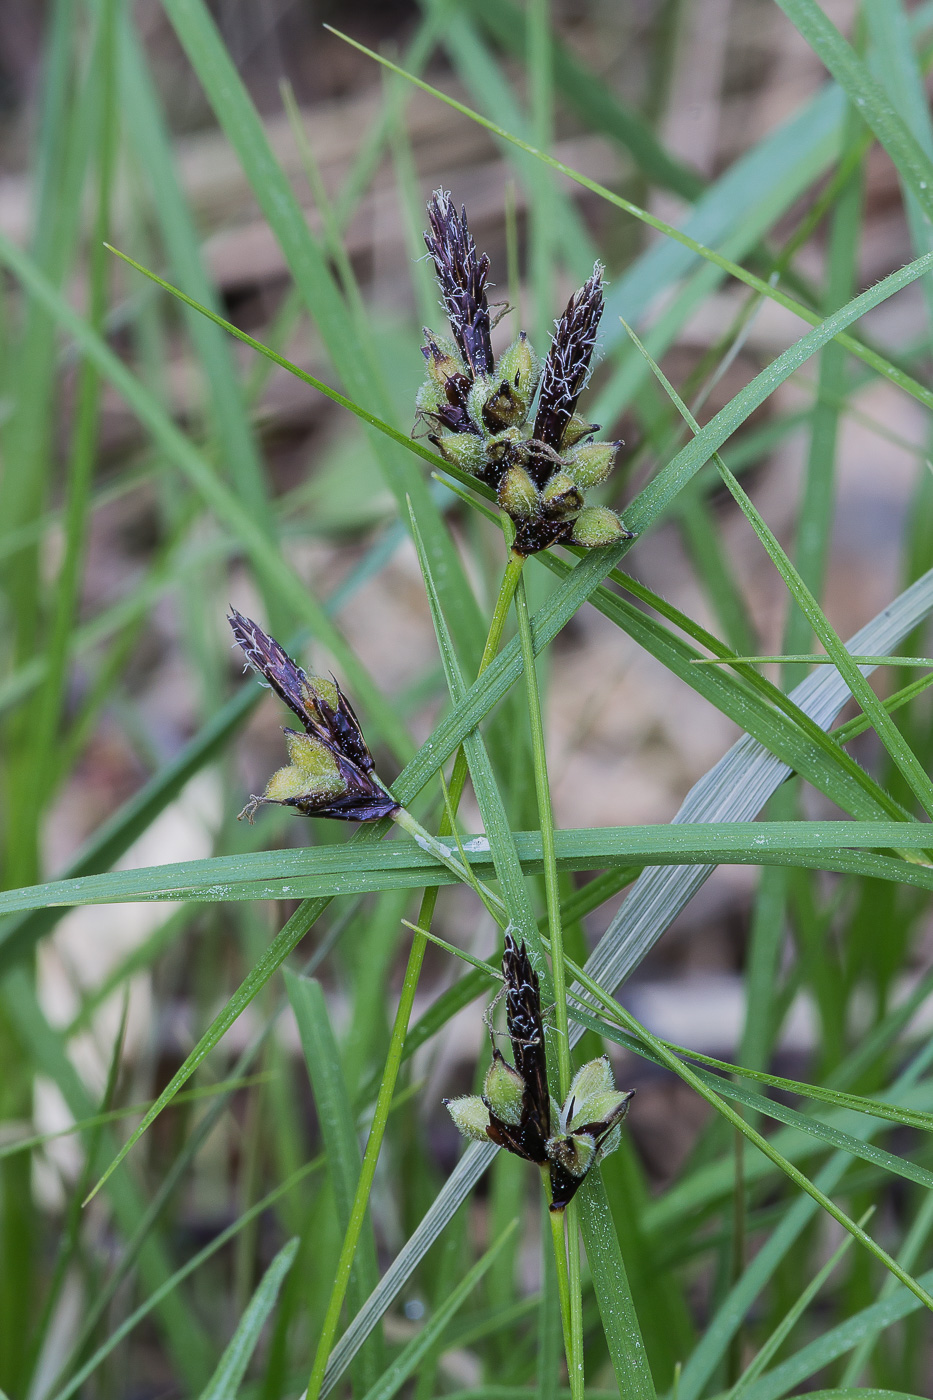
(850, 1393)
(338, 1130)
(808, 658)
(620, 1322)
(327, 871)
(411, 1356)
(225, 1382)
(191, 1266)
(817, 497)
(874, 106)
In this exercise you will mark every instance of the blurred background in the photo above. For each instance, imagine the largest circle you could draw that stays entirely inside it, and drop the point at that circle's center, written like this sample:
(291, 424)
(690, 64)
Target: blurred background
(150, 662)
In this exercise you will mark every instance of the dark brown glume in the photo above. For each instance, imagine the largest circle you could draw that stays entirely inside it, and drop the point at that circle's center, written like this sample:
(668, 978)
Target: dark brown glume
(568, 361)
(462, 275)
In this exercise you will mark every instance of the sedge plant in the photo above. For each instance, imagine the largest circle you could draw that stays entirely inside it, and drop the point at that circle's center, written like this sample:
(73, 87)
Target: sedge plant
(353, 1251)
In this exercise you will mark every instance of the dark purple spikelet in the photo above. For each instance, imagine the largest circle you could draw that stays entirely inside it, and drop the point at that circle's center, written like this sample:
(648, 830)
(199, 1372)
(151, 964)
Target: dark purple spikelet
(540, 532)
(568, 361)
(366, 806)
(335, 725)
(526, 1032)
(326, 715)
(271, 661)
(515, 1110)
(512, 424)
(462, 274)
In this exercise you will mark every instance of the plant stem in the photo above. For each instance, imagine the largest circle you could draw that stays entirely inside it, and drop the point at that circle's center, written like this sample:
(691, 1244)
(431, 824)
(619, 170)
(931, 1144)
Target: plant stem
(568, 1261)
(403, 818)
(567, 1310)
(738, 1249)
(403, 1014)
(548, 852)
(575, 1355)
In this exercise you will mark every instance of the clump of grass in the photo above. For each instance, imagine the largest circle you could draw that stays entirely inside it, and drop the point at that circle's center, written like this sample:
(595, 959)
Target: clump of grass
(539, 464)
(249, 1246)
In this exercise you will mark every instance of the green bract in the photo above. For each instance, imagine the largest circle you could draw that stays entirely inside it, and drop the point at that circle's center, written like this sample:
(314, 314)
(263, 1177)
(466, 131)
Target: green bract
(313, 773)
(470, 1115)
(504, 1090)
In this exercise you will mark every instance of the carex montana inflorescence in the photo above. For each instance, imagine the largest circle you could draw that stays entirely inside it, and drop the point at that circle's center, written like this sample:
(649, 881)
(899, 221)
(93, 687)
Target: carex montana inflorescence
(515, 1109)
(330, 771)
(513, 423)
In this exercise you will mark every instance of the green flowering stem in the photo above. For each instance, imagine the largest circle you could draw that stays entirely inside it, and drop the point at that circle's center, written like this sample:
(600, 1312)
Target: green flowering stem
(407, 822)
(510, 581)
(575, 1353)
(402, 1018)
(568, 1313)
(573, 1321)
(458, 777)
(567, 1258)
(548, 851)
(403, 818)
